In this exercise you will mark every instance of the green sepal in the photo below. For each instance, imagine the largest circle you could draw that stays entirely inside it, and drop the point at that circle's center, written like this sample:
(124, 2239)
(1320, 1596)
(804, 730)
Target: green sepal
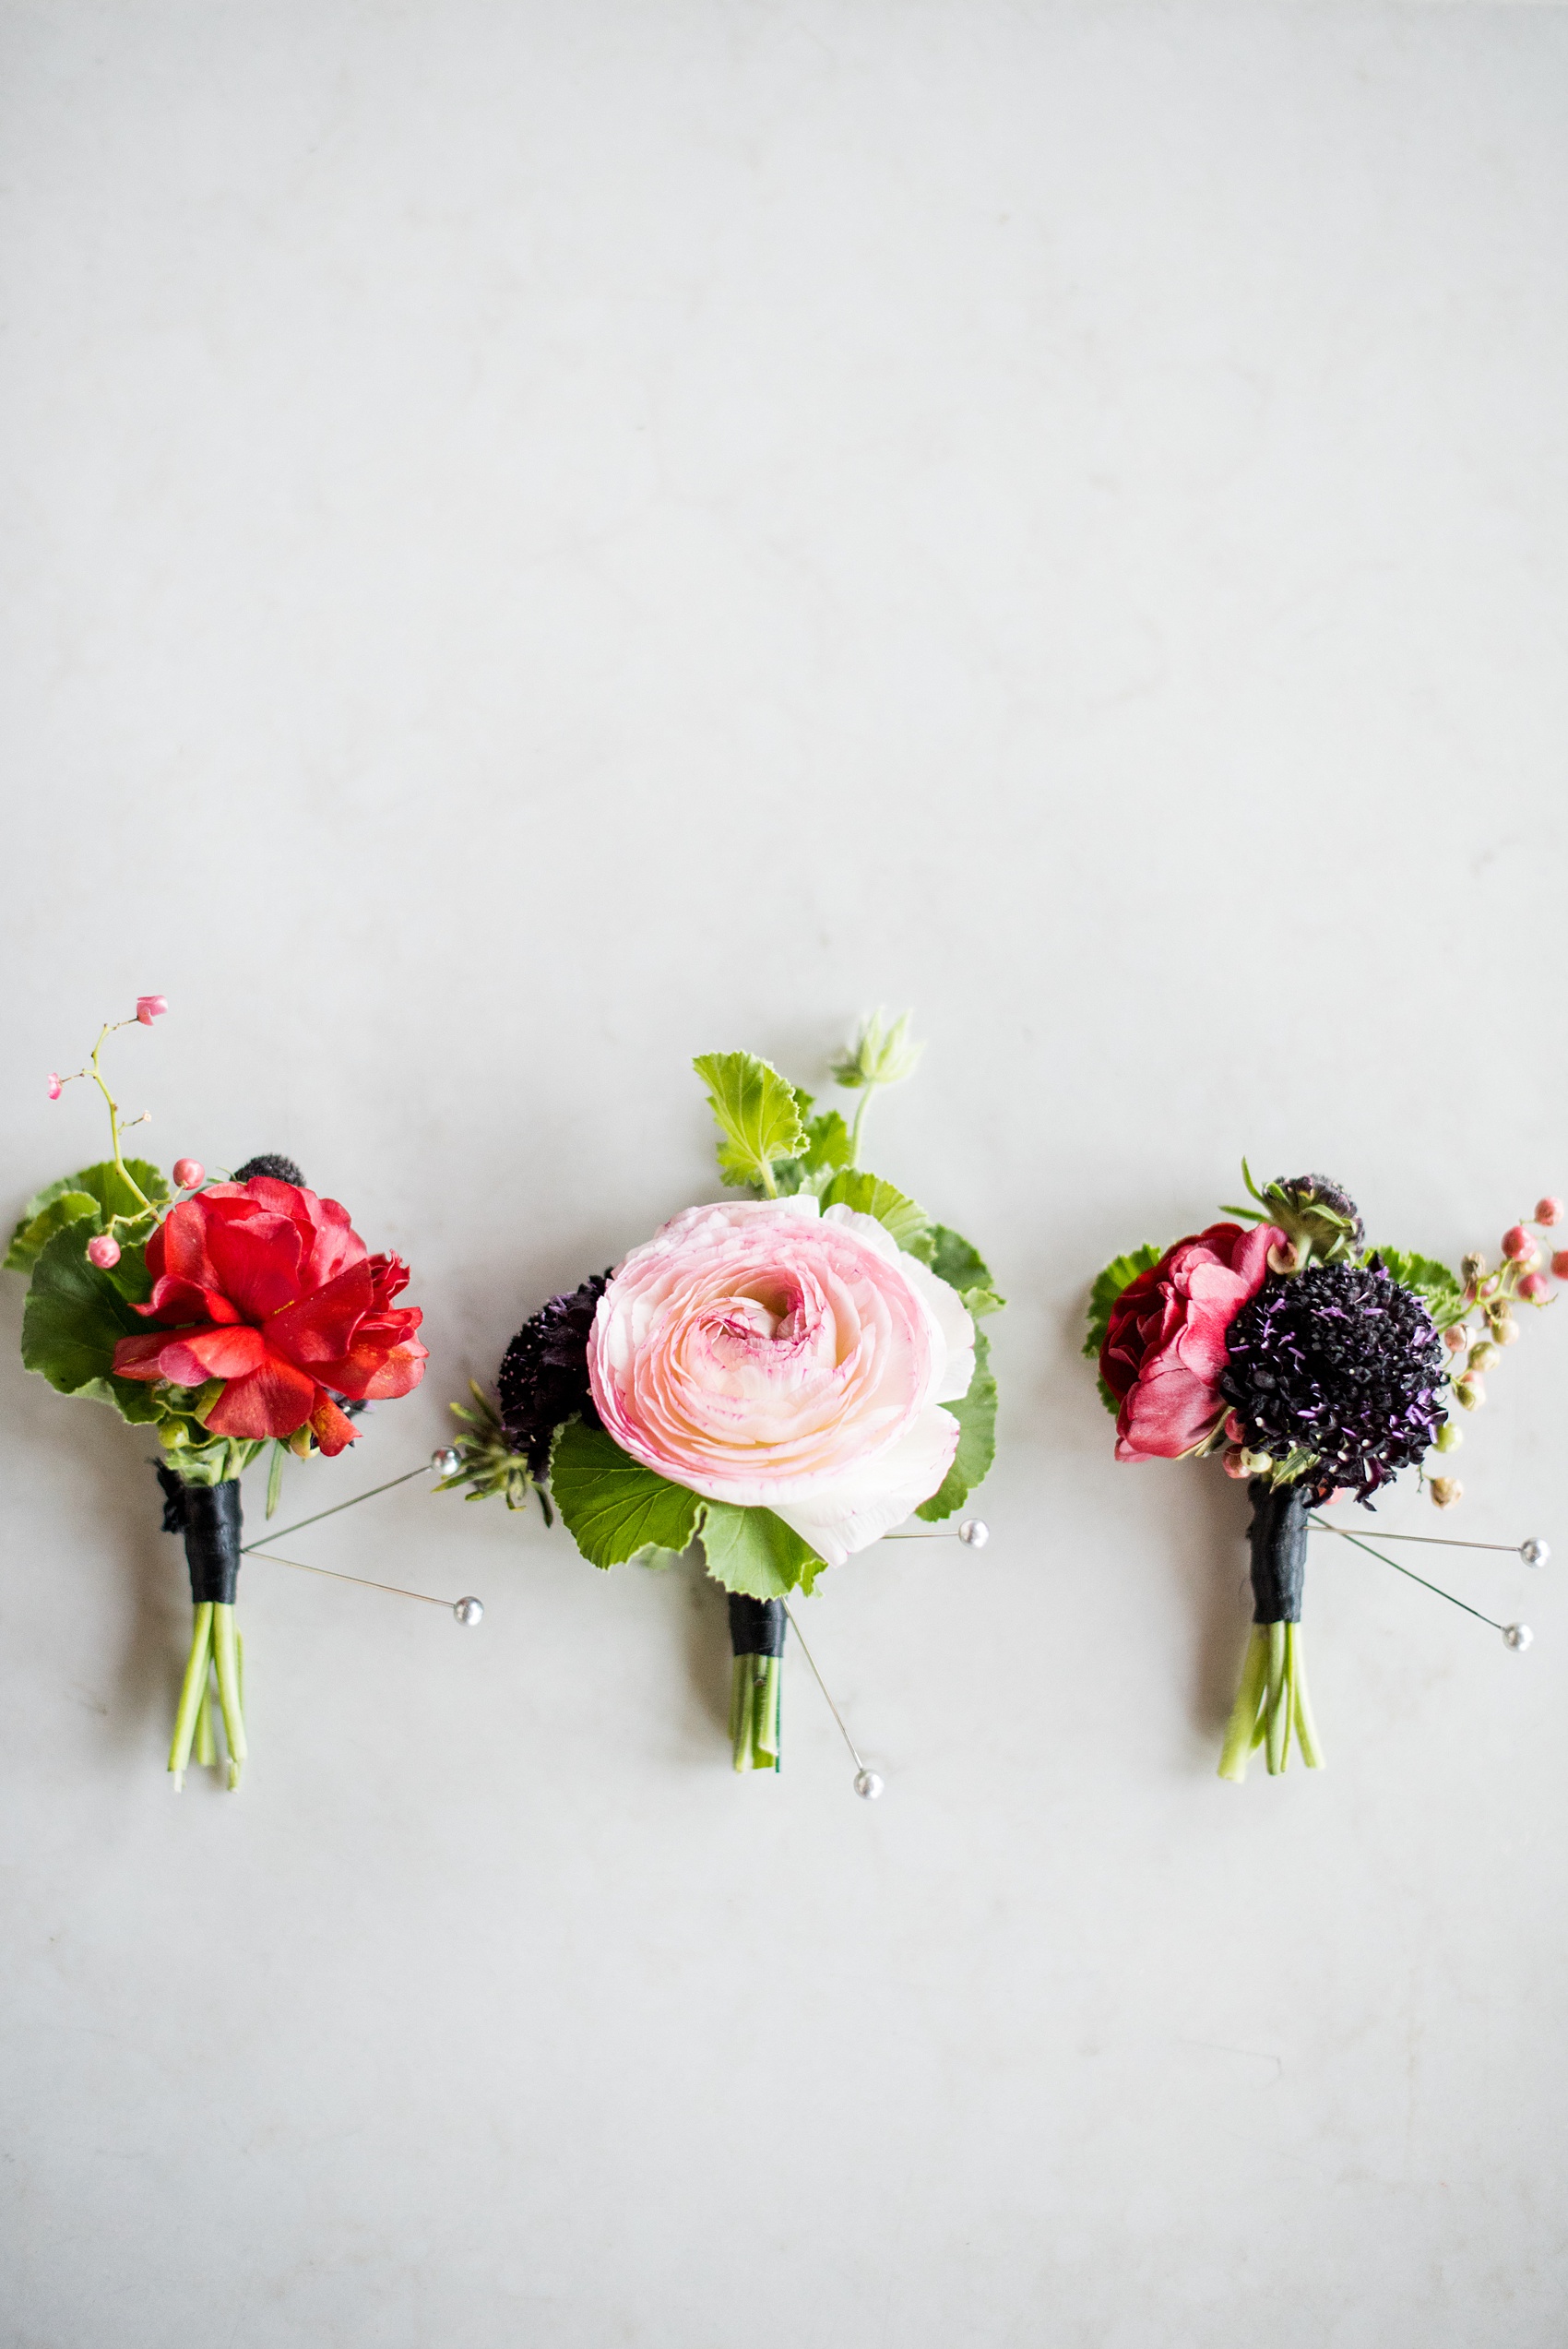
(73, 1319)
(976, 1416)
(759, 1116)
(869, 1194)
(1441, 1290)
(1113, 1283)
(955, 1260)
(752, 1551)
(612, 1506)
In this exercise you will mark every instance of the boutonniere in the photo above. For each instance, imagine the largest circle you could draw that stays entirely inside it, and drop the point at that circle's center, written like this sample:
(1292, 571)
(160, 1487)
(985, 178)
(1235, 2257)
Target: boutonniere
(780, 1377)
(226, 1317)
(1316, 1369)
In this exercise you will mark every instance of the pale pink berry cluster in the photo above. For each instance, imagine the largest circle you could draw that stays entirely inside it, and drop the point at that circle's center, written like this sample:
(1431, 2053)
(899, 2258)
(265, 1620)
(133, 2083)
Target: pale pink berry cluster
(1519, 1279)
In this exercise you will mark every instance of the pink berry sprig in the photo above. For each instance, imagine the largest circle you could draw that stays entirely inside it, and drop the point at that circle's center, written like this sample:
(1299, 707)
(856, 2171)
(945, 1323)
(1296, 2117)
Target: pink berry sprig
(1491, 1294)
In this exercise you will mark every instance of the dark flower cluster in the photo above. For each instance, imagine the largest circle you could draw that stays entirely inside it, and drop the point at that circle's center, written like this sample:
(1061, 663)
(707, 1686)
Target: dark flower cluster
(1340, 1362)
(544, 1373)
(279, 1170)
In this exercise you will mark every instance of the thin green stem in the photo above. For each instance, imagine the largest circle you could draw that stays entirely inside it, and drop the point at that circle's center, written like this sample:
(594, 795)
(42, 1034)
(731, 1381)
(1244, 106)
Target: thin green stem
(1305, 1726)
(741, 1710)
(225, 1656)
(191, 1689)
(1278, 1710)
(768, 1707)
(204, 1752)
(1239, 1738)
(860, 1119)
(109, 1029)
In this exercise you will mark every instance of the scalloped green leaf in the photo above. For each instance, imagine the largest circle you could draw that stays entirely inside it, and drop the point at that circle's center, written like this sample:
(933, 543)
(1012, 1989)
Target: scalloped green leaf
(62, 1206)
(612, 1506)
(759, 1116)
(73, 1319)
(955, 1260)
(867, 1194)
(752, 1551)
(976, 1416)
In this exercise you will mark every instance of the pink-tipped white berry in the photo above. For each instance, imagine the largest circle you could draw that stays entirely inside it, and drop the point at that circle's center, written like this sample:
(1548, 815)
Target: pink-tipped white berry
(1536, 1289)
(188, 1173)
(1457, 1339)
(1549, 1211)
(1235, 1462)
(1516, 1242)
(1235, 1426)
(103, 1251)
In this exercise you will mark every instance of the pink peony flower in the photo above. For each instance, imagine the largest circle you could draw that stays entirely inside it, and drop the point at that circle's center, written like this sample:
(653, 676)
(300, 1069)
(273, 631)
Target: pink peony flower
(763, 1354)
(1165, 1347)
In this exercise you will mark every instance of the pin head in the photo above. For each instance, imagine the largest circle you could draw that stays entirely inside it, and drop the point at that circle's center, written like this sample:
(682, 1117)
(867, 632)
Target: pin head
(868, 1785)
(447, 1461)
(975, 1531)
(1534, 1553)
(470, 1611)
(1517, 1636)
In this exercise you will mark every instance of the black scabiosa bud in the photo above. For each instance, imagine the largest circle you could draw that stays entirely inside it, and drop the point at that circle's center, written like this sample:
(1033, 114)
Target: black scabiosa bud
(1341, 1362)
(279, 1170)
(544, 1373)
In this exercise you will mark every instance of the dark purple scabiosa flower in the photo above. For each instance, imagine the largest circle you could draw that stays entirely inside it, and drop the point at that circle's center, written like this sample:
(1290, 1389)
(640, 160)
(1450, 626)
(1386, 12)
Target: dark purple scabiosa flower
(1342, 1362)
(544, 1373)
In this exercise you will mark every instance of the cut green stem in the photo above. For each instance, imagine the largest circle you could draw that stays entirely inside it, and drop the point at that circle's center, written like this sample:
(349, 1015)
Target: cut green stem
(1271, 1705)
(755, 1708)
(225, 1656)
(191, 1692)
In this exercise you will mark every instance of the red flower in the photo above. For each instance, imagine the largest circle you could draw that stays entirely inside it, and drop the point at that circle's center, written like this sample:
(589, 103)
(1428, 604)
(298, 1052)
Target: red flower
(272, 1290)
(1165, 1348)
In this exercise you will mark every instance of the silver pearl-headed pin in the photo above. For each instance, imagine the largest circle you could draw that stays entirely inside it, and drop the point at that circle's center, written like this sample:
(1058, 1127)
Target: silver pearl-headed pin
(468, 1611)
(868, 1785)
(975, 1531)
(1517, 1636)
(447, 1461)
(1534, 1553)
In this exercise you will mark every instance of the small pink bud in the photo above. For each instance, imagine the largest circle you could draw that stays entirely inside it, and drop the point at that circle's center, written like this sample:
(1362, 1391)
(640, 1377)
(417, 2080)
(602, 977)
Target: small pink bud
(1457, 1339)
(150, 1008)
(55, 1088)
(1517, 1242)
(188, 1173)
(104, 1251)
(1549, 1211)
(1560, 1264)
(1535, 1288)
(1235, 1462)
(1235, 1426)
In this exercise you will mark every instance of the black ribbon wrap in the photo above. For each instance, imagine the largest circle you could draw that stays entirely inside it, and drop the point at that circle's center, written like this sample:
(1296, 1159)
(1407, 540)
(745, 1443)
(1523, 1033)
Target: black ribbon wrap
(1277, 1536)
(208, 1516)
(757, 1625)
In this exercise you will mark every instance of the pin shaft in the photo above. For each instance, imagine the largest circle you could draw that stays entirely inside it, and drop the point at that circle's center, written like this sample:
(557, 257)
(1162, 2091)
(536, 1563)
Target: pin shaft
(284, 1530)
(821, 1683)
(1421, 1578)
(364, 1580)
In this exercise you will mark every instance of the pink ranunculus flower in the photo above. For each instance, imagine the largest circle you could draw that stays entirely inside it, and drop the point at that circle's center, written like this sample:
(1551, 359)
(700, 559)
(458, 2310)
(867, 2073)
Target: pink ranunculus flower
(1165, 1348)
(766, 1353)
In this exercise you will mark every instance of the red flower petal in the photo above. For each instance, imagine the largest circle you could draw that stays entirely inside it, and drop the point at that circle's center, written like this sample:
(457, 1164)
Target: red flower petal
(174, 1300)
(181, 1245)
(223, 1353)
(331, 1428)
(389, 1276)
(320, 1328)
(272, 1400)
(137, 1357)
(257, 1261)
(383, 1360)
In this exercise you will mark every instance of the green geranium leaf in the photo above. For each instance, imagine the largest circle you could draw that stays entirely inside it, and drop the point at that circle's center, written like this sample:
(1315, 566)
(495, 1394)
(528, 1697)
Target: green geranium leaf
(1441, 1290)
(111, 1191)
(759, 1116)
(753, 1551)
(62, 1205)
(73, 1319)
(976, 1416)
(869, 1194)
(827, 1142)
(1117, 1277)
(610, 1505)
(953, 1260)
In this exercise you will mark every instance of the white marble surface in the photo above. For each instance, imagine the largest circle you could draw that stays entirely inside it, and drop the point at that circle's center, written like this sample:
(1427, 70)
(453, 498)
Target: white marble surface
(542, 539)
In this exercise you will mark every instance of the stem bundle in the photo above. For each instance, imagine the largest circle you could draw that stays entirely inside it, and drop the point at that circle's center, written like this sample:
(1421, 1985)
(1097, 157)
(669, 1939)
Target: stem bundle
(1272, 1701)
(757, 1629)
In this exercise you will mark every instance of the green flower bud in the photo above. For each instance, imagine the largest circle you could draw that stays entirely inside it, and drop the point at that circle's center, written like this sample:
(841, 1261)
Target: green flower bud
(1485, 1355)
(1449, 1436)
(883, 1053)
